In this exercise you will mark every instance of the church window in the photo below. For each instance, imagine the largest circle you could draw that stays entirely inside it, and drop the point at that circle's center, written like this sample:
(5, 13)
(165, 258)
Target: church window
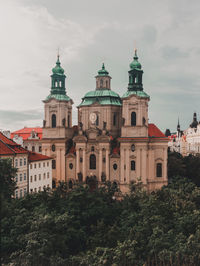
(106, 84)
(97, 121)
(101, 83)
(114, 119)
(53, 120)
(53, 147)
(132, 165)
(92, 148)
(159, 169)
(71, 166)
(40, 148)
(68, 120)
(132, 147)
(133, 119)
(21, 193)
(115, 166)
(53, 164)
(92, 161)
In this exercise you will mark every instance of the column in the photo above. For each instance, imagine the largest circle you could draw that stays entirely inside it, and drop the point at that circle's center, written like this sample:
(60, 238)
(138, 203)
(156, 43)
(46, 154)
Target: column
(77, 163)
(84, 165)
(100, 163)
(107, 165)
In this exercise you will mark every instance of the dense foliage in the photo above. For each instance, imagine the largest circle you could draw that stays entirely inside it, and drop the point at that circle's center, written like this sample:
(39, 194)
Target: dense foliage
(84, 227)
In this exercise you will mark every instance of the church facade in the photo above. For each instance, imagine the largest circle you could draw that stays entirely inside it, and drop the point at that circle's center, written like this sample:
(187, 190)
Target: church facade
(113, 140)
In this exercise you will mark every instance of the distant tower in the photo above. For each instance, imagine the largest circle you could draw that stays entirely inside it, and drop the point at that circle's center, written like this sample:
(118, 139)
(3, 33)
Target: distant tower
(178, 126)
(103, 79)
(194, 122)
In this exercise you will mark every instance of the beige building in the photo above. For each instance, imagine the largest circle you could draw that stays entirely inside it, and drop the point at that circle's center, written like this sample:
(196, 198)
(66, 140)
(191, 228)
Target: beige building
(113, 141)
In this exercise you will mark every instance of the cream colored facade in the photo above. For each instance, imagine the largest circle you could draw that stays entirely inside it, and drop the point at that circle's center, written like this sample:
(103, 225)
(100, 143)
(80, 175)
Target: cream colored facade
(113, 142)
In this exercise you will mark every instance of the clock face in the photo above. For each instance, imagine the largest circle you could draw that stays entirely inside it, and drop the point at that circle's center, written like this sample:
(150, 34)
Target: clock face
(133, 147)
(93, 117)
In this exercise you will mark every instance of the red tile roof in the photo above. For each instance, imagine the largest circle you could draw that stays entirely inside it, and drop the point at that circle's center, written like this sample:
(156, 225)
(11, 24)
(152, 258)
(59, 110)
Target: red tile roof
(25, 132)
(154, 131)
(8, 146)
(33, 156)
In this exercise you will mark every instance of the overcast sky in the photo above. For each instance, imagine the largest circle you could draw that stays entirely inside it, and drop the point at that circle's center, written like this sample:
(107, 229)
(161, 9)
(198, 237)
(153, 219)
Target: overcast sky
(89, 32)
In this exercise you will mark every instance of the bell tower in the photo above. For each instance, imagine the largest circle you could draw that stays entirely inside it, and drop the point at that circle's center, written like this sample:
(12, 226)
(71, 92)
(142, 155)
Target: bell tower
(58, 106)
(135, 103)
(103, 80)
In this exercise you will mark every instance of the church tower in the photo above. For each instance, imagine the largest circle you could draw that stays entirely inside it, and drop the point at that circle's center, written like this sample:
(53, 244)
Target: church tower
(57, 123)
(135, 103)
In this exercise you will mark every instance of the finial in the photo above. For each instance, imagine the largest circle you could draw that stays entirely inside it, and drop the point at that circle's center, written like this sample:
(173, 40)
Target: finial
(58, 57)
(103, 67)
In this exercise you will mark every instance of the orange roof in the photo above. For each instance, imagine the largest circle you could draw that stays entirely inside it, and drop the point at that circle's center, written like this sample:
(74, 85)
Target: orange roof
(154, 131)
(33, 156)
(25, 132)
(8, 146)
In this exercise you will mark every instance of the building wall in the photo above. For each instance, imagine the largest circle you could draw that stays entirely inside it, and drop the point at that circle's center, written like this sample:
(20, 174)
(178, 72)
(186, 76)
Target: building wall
(40, 175)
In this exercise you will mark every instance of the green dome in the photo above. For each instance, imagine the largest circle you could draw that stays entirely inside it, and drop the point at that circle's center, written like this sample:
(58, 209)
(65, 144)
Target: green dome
(103, 97)
(58, 69)
(135, 64)
(103, 71)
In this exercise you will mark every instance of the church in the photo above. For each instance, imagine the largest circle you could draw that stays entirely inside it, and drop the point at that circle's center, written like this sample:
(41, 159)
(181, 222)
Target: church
(113, 140)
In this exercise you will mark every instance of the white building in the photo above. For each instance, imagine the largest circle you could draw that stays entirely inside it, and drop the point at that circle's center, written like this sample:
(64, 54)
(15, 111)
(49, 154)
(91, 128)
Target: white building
(40, 172)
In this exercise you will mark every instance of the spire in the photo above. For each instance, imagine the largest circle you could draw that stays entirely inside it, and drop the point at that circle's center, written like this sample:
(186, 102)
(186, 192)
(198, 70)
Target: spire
(103, 71)
(178, 126)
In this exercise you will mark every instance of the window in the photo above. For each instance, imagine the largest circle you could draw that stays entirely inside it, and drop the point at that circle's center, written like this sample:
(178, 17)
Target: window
(53, 147)
(92, 148)
(35, 178)
(48, 175)
(24, 161)
(16, 178)
(20, 178)
(24, 176)
(71, 165)
(16, 194)
(35, 189)
(21, 193)
(39, 176)
(25, 191)
(31, 179)
(114, 119)
(53, 121)
(132, 165)
(20, 162)
(40, 148)
(106, 84)
(44, 176)
(31, 190)
(43, 164)
(115, 166)
(97, 121)
(101, 83)
(133, 119)
(159, 170)
(35, 165)
(16, 162)
(92, 161)
(68, 120)
(53, 164)
(39, 165)
(47, 163)
(31, 166)
(33, 148)
(26, 147)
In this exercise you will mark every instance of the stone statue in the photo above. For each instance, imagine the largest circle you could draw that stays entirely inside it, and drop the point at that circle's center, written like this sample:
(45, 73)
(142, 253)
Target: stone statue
(63, 122)
(104, 125)
(44, 123)
(81, 125)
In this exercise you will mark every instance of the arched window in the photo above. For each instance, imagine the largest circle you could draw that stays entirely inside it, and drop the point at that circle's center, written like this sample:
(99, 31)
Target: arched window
(106, 84)
(133, 119)
(114, 119)
(97, 121)
(60, 83)
(132, 165)
(159, 169)
(68, 120)
(101, 83)
(92, 161)
(53, 120)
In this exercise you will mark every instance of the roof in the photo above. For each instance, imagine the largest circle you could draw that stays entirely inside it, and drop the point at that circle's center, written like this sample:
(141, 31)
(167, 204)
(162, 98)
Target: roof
(154, 131)
(138, 93)
(9, 147)
(33, 156)
(25, 132)
(103, 97)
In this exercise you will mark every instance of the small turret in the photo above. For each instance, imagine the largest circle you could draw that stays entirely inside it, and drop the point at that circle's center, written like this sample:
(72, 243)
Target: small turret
(103, 79)
(194, 122)
(135, 75)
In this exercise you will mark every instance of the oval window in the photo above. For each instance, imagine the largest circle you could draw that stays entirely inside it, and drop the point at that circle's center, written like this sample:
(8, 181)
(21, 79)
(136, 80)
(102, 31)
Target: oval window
(133, 147)
(71, 165)
(115, 166)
